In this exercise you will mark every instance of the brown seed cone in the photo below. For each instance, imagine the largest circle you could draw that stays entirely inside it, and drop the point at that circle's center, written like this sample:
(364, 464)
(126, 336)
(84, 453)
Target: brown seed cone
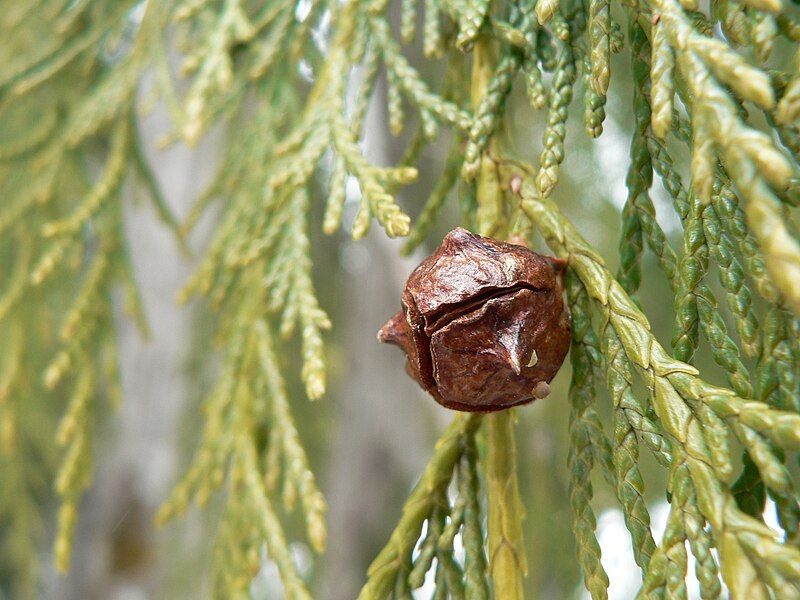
(484, 323)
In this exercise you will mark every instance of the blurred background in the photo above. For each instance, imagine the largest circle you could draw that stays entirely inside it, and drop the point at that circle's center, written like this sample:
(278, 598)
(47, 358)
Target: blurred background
(370, 436)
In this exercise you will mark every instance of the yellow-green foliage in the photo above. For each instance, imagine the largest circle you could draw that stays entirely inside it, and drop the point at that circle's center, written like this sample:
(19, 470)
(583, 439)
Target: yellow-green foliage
(67, 148)
(70, 79)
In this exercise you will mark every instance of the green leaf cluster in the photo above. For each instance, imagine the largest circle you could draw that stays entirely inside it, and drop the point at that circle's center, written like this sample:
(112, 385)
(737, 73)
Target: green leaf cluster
(279, 77)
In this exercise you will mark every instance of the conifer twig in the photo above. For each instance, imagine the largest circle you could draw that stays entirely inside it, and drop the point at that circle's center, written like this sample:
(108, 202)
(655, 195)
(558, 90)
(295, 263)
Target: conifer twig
(383, 569)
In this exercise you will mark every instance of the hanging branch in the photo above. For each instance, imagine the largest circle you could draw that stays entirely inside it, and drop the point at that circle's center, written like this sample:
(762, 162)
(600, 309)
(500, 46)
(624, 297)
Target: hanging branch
(278, 77)
(676, 389)
(387, 565)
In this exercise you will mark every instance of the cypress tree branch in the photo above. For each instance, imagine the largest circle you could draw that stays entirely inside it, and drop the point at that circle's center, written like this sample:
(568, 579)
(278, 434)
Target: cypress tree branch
(476, 586)
(564, 75)
(506, 550)
(581, 456)
(630, 485)
(674, 384)
(278, 77)
(383, 570)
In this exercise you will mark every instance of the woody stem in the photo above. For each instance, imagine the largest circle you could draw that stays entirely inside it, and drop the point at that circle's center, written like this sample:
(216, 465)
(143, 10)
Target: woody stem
(506, 548)
(506, 544)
